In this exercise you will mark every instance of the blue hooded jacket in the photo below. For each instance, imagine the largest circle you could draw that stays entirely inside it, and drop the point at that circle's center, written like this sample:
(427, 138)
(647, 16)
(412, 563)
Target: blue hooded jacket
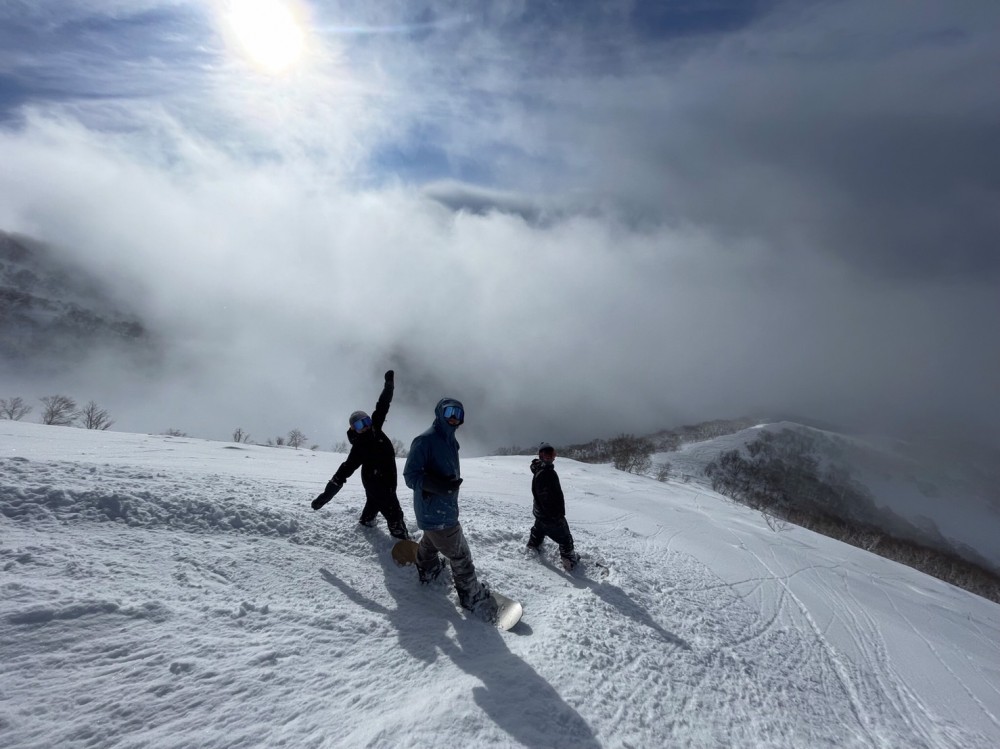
(431, 470)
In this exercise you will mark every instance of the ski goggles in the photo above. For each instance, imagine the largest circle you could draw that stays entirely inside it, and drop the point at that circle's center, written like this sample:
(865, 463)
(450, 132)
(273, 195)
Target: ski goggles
(361, 424)
(453, 412)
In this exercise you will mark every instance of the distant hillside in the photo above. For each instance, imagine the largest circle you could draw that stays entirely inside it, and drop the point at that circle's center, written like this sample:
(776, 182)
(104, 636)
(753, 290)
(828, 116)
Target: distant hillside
(52, 314)
(869, 491)
(600, 450)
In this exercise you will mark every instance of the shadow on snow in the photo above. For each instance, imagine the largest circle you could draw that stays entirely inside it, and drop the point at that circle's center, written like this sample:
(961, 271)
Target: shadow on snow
(513, 694)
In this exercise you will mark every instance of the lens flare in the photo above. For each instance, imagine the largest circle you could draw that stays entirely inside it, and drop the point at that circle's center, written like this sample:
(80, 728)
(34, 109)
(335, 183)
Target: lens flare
(268, 32)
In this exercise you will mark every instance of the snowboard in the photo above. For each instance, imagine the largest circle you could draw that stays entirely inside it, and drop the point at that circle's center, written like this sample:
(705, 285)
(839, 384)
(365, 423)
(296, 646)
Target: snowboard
(586, 564)
(405, 552)
(508, 611)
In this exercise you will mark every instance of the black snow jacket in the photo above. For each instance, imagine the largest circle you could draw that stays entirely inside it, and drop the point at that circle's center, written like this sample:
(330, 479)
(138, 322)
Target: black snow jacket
(372, 451)
(547, 491)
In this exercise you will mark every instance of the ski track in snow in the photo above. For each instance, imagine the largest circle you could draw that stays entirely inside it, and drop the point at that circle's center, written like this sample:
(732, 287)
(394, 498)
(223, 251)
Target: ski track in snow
(178, 606)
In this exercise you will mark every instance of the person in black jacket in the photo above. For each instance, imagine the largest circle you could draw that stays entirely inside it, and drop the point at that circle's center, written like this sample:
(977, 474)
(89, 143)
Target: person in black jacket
(550, 508)
(373, 451)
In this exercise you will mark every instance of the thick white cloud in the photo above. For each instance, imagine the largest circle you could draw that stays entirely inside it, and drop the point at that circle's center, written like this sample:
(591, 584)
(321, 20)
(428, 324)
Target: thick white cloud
(712, 228)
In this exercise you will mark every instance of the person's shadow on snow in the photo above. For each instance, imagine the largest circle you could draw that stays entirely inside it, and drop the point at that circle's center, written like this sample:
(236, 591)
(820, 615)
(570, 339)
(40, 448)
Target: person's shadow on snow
(619, 599)
(418, 635)
(517, 699)
(513, 694)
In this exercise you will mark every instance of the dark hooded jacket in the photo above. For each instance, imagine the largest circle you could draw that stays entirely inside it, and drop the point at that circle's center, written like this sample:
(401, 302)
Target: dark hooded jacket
(431, 470)
(373, 451)
(549, 502)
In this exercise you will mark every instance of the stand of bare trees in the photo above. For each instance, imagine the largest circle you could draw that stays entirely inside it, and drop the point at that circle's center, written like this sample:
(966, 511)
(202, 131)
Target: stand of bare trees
(59, 410)
(13, 409)
(631, 454)
(626, 451)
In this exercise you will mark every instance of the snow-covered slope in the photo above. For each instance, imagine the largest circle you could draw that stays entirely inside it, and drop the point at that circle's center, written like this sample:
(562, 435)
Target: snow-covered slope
(945, 499)
(52, 314)
(171, 592)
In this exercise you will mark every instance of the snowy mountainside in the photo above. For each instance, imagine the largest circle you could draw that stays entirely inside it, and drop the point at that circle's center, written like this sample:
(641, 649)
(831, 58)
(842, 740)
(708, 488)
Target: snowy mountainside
(934, 494)
(50, 313)
(164, 591)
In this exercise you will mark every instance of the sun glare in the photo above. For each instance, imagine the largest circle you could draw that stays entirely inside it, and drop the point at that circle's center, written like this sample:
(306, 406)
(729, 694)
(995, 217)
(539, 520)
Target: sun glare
(268, 32)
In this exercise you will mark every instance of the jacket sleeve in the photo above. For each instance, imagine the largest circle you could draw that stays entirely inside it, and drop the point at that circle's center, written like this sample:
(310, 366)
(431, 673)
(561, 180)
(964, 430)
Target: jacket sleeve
(382, 407)
(556, 492)
(349, 466)
(416, 461)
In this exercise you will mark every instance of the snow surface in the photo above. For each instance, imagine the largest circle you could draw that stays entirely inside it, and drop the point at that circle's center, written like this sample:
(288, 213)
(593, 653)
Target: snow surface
(171, 592)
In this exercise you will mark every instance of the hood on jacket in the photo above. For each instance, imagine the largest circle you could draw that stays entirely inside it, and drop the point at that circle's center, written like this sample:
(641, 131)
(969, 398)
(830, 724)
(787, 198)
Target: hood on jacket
(439, 412)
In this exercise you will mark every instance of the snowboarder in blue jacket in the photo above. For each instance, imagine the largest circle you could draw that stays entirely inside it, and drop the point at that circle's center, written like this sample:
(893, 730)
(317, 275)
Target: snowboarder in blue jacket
(433, 472)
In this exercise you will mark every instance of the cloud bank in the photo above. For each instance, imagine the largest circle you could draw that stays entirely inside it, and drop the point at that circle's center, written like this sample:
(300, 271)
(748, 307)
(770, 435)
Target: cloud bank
(793, 213)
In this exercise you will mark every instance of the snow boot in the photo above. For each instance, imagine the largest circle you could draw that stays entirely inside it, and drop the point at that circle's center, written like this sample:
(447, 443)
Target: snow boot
(569, 561)
(426, 578)
(481, 603)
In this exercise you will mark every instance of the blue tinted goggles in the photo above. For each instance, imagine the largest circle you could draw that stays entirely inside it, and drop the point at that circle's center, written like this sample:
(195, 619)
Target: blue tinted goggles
(454, 412)
(361, 424)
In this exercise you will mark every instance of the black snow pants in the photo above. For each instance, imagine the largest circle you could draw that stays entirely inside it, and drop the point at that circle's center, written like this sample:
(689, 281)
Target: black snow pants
(385, 501)
(555, 528)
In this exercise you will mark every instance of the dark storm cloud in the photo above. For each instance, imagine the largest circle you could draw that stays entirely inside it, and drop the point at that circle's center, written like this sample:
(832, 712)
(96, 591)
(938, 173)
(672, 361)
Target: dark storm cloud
(865, 133)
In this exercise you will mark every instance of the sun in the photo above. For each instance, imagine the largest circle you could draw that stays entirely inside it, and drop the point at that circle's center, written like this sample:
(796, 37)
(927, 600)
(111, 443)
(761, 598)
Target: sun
(268, 32)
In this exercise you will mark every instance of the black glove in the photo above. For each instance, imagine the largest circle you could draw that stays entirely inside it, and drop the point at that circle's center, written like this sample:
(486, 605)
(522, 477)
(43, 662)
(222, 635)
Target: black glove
(332, 487)
(437, 484)
(390, 378)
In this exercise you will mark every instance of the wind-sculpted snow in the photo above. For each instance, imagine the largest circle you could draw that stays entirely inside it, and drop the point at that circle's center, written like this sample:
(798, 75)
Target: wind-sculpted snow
(191, 597)
(60, 493)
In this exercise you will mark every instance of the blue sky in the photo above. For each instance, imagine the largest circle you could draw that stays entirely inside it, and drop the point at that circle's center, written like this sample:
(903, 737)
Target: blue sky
(682, 209)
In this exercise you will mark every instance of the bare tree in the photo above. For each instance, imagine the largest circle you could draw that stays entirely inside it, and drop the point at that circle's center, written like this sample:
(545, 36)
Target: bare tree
(296, 439)
(279, 441)
(631, 453)
(171, 432)
(400, 448)
(663, 471)
(60, 410)
(14, 409)
(341, 447)
(240, 436)
(95, 417)
(774, 522)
